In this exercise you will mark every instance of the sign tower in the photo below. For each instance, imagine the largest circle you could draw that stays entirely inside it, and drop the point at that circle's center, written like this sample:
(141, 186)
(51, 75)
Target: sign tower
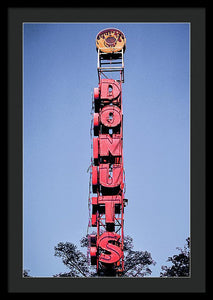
(107, 171)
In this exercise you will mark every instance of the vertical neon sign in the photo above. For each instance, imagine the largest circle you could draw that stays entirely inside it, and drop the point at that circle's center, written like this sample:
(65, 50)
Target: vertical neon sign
(108, 200)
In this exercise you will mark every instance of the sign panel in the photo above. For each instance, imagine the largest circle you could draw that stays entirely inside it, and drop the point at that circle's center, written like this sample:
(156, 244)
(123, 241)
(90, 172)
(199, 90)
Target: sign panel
(110, 40)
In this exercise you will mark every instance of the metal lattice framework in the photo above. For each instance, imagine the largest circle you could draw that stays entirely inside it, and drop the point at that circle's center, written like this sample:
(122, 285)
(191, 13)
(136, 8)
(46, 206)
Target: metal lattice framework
(107, 180)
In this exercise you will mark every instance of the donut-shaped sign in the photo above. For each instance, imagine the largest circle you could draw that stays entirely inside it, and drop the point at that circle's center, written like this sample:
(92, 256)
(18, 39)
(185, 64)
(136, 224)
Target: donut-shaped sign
(110, 40)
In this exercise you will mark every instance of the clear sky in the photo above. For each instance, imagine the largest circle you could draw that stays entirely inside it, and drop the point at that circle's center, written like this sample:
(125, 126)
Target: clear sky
(60, 72)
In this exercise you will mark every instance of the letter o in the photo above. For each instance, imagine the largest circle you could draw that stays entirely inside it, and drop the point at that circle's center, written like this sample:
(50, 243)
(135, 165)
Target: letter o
(110, 116)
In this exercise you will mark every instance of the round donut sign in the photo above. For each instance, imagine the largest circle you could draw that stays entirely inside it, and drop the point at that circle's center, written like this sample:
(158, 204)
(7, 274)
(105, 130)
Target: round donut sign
(110, 40)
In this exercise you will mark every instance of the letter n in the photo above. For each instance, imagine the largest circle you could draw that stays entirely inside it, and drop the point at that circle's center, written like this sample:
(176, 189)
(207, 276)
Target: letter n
(110, 145)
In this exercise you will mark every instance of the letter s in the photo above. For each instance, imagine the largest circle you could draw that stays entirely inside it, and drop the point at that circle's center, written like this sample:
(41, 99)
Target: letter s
(104, 243)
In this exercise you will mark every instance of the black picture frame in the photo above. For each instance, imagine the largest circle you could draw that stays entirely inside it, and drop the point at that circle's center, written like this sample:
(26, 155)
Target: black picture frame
(196, 16)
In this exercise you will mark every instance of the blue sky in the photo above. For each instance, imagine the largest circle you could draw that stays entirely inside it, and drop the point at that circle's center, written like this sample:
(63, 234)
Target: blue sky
(60, 62)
